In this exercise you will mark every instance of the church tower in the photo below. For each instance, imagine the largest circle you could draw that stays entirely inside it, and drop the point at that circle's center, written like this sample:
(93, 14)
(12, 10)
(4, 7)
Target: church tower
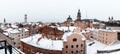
(69, 19)
(79, 15)
(4, 21)
(25, 19)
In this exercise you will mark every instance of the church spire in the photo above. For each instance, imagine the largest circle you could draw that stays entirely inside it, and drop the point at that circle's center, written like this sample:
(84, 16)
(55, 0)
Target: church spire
(4, 20)
(25, 19)
(79, 15)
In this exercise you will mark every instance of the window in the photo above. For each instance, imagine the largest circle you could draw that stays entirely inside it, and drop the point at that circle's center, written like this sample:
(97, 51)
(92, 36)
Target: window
(18, 35)
(72, 46)
(14, 43)
(74, 39)
(81, 50)
(22, 31)
(81, 45)
(19, 47)
(72, 52)
(33, 51)
(76, 46)
(66, 46)
(66, 51)
(76, 51)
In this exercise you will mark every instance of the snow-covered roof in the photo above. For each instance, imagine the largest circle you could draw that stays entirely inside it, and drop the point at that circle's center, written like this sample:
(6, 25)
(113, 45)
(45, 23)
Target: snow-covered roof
(14, 31)
(64, 38)
(114, 45)
(11, 30)
(85, 31)
(108, 30)
(6, 33)
(23, 29)
(71, 28)
(14, 26)
(95, 22)
(44, 42)
(83, 37)
(48, 43)
(93, 48)
(100, 46)
(20, 29)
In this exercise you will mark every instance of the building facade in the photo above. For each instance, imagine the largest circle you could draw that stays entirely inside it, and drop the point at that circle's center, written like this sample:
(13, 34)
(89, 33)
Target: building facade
(106, 36)
(74, 45)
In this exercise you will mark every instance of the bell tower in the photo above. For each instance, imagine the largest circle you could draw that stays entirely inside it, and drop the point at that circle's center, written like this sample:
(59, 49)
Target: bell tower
(79, 15)
(4, 21)
(25, 19)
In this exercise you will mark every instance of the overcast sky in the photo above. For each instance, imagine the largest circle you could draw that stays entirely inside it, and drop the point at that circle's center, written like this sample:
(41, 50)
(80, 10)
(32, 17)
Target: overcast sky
(57, 10)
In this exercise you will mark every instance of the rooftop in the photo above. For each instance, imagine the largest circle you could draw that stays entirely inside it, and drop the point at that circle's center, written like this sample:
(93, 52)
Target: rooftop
(92, 49)
(44, 42)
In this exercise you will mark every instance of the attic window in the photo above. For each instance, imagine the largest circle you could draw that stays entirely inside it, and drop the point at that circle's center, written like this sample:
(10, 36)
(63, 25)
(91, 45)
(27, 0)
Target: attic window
(74, 39)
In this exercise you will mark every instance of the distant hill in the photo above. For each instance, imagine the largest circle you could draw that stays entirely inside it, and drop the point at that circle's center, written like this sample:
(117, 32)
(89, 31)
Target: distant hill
(94, 20)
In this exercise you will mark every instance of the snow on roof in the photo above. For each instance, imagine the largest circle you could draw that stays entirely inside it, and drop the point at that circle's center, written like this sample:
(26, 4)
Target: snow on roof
(100, 46)
(66, 28)
(51, 44)
(85, 31)
(6, 33)
(108, 30)
(83, 37)
(95, 22)
(40, 25)
(66, 35)
(118, 52)
(20, 29)
(26, 29)
(14, 26)
(9, 29)
(115, 45)
(44, 42)
(93, 48)
(14, 31)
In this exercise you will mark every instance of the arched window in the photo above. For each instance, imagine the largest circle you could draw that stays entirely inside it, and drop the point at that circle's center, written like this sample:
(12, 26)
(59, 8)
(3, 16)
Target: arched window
(74, 39)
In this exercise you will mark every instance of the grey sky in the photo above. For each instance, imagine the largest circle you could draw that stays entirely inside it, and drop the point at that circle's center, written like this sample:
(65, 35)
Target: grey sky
(57, 10)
